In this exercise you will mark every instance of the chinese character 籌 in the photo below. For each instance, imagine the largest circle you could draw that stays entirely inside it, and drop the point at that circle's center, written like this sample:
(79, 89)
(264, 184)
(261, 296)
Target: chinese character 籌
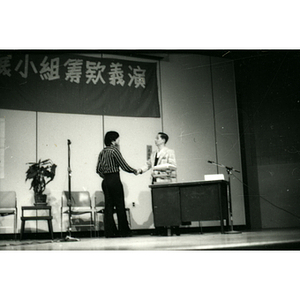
(74, 70)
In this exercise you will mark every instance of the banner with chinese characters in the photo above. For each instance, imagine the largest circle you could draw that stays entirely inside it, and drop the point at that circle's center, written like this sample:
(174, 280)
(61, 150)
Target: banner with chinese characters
(69, 83)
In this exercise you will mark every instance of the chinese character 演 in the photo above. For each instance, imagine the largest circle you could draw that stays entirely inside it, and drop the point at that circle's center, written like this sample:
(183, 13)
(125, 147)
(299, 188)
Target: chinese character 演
(138, 77)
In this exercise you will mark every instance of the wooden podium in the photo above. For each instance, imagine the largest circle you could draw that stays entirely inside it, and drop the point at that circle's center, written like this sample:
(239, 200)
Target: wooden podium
(175, 203)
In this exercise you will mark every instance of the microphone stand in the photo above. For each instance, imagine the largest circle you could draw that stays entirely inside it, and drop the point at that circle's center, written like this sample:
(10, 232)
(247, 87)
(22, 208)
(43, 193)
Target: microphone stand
(69, 238)
(229, 203)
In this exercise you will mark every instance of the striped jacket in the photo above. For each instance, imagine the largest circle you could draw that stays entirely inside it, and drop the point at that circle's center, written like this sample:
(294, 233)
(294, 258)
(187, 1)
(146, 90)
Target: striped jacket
(110, 160)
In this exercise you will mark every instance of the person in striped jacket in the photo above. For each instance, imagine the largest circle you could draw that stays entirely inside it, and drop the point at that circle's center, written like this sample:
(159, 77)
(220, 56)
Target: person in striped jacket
(110, 161)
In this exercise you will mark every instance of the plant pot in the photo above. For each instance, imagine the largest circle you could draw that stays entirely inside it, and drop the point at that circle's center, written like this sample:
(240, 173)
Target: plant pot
(40, 199)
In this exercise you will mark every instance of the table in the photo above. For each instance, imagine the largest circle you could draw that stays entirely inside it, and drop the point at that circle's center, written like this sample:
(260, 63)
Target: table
(37, 208)
(176, 203)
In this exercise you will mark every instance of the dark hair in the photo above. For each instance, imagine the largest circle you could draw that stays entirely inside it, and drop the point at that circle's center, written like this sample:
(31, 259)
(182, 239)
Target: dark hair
(110, 136)
(164, 136)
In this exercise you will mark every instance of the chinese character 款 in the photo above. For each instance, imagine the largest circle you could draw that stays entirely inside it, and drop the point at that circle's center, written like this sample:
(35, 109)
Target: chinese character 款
(74, 70)
(94, 72)
(116, 74)
(138, 77)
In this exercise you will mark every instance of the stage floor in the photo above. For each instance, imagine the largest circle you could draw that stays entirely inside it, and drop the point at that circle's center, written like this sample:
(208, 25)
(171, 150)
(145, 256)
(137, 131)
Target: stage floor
(279, 239)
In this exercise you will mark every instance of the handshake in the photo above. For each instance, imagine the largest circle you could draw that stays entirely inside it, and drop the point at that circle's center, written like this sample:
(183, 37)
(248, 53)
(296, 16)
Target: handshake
(138, 171)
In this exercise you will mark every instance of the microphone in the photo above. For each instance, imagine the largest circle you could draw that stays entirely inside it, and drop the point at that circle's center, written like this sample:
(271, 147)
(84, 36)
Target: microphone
(227, 168)
(69, 142)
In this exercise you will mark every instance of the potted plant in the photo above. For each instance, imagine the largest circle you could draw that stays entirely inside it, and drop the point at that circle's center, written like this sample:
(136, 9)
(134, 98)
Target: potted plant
(39, 172)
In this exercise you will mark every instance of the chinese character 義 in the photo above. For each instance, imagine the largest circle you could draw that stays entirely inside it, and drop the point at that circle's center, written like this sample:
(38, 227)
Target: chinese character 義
(116, 74)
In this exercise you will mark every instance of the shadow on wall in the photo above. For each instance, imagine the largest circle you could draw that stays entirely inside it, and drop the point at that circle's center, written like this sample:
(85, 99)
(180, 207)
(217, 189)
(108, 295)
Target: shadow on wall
(143, 209)
(55, 204)
(126, 191)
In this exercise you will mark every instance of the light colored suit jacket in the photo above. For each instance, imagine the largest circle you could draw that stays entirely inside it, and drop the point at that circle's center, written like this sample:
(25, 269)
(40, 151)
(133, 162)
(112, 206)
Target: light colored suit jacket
(165, 170)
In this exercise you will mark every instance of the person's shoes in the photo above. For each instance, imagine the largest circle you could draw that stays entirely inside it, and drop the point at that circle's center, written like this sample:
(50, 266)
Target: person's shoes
(154, 234)
(175, 230)
(112, 235)
(127, 234)
(164, 232)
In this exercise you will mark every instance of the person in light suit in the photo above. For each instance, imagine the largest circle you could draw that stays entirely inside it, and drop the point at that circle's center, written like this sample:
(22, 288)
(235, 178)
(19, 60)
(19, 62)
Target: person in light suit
(162, 162)
(163, 165)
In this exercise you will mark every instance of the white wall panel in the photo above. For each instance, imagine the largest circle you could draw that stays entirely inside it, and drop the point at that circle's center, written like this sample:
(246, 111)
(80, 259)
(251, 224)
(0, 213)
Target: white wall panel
(200, 115)
(19, 149)
(85, 134)
(227, 133)
(187, 114)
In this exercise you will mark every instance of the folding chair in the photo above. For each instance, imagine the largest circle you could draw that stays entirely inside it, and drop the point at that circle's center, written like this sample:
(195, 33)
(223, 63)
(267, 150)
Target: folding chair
(8, 206)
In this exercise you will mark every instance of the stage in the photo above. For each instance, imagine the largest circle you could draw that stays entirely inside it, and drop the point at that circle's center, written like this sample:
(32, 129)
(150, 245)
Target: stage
(277, 239)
